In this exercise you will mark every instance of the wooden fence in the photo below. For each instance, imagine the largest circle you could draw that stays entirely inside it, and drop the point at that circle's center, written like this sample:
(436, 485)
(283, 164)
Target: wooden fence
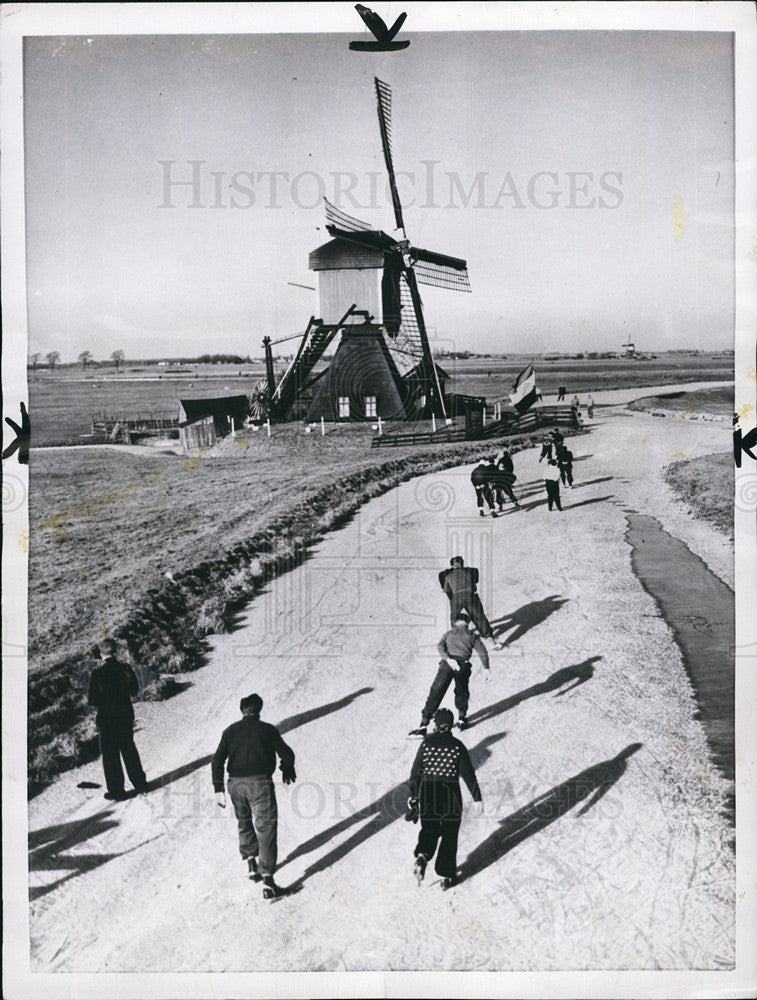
(509, 423)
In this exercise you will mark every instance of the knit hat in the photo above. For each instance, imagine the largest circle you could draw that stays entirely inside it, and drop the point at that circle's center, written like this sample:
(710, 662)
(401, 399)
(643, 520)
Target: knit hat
(444, 719)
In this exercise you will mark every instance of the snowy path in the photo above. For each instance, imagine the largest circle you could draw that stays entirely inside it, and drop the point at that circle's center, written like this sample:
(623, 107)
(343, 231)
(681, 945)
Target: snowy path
(600, 845)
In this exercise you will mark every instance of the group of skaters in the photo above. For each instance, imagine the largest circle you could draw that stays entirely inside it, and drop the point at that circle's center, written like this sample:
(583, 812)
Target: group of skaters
(494, 476)
(250, 749)
(493, 480)
(575, 404)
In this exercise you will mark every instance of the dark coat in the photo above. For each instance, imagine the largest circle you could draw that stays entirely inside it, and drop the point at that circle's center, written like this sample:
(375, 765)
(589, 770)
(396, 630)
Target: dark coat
(111, 688)
(251, 748)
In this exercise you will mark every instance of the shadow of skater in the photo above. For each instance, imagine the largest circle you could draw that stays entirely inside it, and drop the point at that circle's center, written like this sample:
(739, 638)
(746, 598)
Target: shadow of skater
(527, 617)
(584, 503)
(47, 847)
(285, 726)
(571, 677)
(593, 783)
(379, 814)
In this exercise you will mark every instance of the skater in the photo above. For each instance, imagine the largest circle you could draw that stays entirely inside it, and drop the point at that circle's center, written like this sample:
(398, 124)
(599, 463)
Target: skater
(504, 478)
(560, 393)
(111, 687)
(435, 798)
(481, 477)
(590, 407)
(552, 482)
(251, 748)
(565, 465)
(459, 583)
(456, 645)
(547, 445)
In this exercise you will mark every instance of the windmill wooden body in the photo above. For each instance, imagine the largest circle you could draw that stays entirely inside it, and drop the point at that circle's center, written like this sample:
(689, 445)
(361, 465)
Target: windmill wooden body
(368, 284)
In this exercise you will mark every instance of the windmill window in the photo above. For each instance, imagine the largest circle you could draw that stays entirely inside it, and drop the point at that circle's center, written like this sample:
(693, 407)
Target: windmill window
(344, 406)
(370, 406)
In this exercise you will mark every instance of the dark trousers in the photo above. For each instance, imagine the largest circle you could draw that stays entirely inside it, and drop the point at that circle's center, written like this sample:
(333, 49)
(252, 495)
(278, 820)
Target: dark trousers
(117, 741)
(441, 807)
(501, 492)
(484, 495)
(553, 493)
(444, 677)
(254, 801)
(472, 604)
(560, 395)
(566, 474)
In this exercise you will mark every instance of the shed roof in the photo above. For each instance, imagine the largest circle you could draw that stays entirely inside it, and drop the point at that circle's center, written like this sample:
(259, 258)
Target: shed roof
(214, 406)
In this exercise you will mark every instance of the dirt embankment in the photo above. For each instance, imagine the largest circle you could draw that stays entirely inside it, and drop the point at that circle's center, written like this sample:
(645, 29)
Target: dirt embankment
(166, 634)
(706, 485)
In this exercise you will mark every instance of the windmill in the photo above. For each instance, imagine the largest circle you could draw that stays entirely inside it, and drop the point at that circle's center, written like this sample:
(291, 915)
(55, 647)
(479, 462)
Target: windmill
(365, 267)
(630, 349)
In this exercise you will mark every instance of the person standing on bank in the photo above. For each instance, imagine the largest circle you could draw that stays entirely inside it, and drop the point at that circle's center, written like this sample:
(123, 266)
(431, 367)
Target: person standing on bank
(456, 645)
(111, 687)
(435, 798)
(459, 583)
(251, 748)
(590, 407)
(552, 482)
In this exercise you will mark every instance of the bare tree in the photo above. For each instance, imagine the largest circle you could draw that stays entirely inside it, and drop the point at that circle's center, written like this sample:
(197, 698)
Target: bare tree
(84, 358)
(117, 357)
(34, 359)
(52, 358)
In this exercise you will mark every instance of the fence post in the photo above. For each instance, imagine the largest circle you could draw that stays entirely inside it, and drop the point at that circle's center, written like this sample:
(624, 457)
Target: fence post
(323, 428)
(268, 426)
(433, 423)
(380, 431)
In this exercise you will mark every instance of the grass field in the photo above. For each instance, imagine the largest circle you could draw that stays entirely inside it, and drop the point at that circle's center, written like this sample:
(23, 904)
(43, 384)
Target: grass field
(718, 401)
(707, 485)
(62, 402)
(107, 525)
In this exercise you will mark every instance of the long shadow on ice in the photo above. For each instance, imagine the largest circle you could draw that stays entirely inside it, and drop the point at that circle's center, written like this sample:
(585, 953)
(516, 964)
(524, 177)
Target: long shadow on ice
(591, 784)
(566, 679)
(285, 726)
(526, 617)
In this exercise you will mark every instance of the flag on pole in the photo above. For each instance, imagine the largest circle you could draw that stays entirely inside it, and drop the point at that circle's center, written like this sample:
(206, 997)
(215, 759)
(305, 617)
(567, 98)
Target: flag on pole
(523, 395)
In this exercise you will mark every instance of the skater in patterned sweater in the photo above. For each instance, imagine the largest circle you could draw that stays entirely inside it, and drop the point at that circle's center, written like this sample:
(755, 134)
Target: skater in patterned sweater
(435, 798)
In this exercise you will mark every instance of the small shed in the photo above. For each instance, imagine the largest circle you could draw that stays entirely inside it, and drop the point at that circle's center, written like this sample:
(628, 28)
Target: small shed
(222, 409)
(197, 434)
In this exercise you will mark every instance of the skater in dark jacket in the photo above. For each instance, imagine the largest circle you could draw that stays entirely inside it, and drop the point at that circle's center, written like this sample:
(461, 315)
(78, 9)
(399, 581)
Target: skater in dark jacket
(459, 583)
(251, 748)
(504, 478)
(111, 687)
(482, 478)
(552, 482)
(456, 645)
(565, 465)
(435, 798)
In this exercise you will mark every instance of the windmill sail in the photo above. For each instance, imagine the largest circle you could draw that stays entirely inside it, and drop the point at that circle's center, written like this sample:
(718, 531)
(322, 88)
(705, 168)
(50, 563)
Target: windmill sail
(336, 217)
(443, 276)
(384, 98)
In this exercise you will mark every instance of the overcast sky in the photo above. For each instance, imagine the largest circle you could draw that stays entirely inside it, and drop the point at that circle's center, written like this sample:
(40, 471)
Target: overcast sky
(643, 247)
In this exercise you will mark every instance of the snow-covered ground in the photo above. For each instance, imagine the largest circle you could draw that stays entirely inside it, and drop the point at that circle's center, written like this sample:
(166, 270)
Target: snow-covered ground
(601, 845)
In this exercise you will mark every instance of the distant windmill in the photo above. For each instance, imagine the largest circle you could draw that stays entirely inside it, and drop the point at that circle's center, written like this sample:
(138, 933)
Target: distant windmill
(630, 349)
(367, 268)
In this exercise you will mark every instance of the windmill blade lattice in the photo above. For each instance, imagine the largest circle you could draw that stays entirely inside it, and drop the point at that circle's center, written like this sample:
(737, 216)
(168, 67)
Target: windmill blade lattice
(384, 99)
(336, 217)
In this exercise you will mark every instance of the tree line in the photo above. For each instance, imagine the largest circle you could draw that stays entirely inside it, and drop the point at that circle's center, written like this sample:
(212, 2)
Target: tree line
(85, 358)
